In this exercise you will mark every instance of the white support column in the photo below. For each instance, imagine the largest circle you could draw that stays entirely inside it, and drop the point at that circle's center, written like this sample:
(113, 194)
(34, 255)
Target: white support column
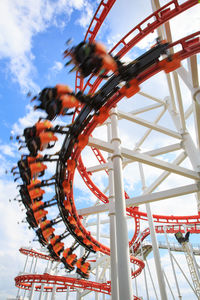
(172, 264)
(123, 262)
(31, 295)
(31, 264)
(41, 291)
(113, 248)
(25, 264)
(159, 272)
(145, 277)
(53, 295)
(194, 156)
(97, 255)
(67, 294)
(46, 295)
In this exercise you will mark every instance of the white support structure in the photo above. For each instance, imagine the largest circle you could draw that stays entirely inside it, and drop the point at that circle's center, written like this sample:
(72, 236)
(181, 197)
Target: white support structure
(31, 295)
(157, 261)
(144, 158)
(123, 260)
(97, 255)
(112, 216)
(146, 198)
(160, 276)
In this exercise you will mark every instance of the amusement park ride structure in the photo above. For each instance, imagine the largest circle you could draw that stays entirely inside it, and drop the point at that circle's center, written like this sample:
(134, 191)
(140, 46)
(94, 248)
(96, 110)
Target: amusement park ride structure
(103, 110)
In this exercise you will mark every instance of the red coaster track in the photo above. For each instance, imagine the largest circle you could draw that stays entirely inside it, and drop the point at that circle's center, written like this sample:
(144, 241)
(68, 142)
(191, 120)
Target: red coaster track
(189, 45)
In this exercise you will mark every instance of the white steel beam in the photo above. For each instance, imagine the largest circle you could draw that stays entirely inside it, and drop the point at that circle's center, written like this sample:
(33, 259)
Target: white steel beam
(155, 152)
(148, 131)
(151, 97)
(145, 109)
(159, 128)
(146, 159)
(147, 198)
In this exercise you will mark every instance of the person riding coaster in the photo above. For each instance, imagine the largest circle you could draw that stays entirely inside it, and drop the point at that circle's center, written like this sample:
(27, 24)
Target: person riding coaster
(69, 259)
(83, 268)
(32, 172)
(41, 142)
(34, 219)
(46, 230)
(45, 235)
(91, 58)
(58, 100)
(56, 247)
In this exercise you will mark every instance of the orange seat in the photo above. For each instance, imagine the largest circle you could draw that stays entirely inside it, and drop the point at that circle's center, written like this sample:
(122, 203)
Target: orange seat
(68, 101)
(41, 126)
(58, 247)
(39, 215)
(32, 159)
(37, 205)
(47, 137)
(63, 89)
(37, 168)
(44, 224)
(48, 232)
(85, 267)
(54, 239)
(36, 193)
(33, 183)
(66, 252)
(170, 66)
(103, 115)
(71, 259)
(79, 262)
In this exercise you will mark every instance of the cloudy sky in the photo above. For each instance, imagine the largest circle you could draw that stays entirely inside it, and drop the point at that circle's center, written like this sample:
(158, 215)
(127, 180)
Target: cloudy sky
(32, 40)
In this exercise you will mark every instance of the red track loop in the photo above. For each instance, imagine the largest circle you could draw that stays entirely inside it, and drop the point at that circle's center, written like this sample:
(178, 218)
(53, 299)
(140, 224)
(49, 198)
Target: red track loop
(25, 282)
(161, 16)
(62, 283)
(33, 253)
(164, 14)
(190, 46)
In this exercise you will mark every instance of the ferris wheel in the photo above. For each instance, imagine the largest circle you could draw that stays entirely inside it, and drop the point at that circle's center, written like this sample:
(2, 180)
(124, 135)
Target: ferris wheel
(135, 145)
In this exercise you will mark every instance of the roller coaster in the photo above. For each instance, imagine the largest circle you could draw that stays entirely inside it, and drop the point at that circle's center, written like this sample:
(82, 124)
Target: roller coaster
(91, 105)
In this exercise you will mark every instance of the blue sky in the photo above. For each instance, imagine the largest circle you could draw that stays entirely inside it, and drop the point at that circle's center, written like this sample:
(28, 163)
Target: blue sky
(32, 40)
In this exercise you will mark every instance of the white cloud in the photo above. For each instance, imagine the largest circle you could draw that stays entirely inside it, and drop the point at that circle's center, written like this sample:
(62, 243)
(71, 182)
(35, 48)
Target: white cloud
(86, 16)
(20, 21)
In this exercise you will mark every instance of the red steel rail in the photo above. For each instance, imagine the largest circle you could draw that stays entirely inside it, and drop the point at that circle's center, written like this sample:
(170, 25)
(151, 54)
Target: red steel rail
(189, 45)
